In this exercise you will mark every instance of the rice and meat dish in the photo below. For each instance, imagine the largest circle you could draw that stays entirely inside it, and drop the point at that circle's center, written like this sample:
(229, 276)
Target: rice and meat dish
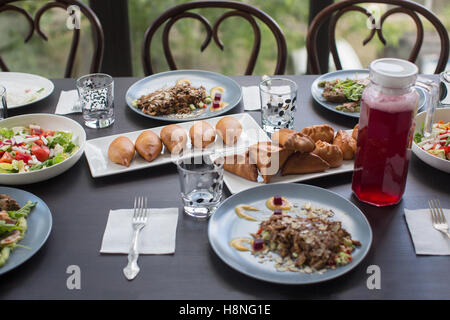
(178, 99)
(313, 241)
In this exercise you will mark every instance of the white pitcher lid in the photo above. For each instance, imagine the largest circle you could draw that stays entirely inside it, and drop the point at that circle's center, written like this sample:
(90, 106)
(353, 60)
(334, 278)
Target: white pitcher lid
(393, 73)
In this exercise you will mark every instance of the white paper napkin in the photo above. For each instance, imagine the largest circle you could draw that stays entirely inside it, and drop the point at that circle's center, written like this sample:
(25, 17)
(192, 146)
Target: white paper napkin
(157, 237)
(426, 239)
(68, 102)
(252, 99)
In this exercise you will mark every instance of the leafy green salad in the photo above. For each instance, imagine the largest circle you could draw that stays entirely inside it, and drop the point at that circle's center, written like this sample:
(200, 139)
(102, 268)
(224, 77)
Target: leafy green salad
(30, 148)
(13, 225)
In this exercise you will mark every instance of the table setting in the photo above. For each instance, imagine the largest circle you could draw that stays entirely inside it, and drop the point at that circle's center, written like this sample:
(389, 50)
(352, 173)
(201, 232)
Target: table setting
(153, 203)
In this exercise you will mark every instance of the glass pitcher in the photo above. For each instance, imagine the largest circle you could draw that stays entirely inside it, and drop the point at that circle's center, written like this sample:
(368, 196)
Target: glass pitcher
(386, 129)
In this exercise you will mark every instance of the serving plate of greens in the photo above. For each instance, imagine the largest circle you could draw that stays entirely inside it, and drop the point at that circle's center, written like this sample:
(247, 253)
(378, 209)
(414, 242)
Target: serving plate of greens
(34, 222)
(341, 91)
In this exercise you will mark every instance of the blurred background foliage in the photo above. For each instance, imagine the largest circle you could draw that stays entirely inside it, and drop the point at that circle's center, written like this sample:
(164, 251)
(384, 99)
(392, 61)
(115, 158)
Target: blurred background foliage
(49, 58)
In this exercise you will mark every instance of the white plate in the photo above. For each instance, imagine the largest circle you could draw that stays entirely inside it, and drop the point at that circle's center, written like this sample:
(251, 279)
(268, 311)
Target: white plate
(438, 163)
(51, 122)
(97, 149)
(237, 184)
(16, 83)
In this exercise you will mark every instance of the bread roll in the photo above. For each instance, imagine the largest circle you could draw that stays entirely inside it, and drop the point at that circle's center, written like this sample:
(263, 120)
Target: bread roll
(355, 132)
(269, 158)
(202, 134)
(329, 152)
(148, 145)
(240, 165)
(294, 141)
(346, 143)
(174, 138)
(299, 163)
(229, 129)
(121, 151)
(319, 132)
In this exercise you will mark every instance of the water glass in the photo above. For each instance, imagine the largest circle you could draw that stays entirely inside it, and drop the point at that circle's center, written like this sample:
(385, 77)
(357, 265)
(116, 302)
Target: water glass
(278, 103)
(3, 105)
(201, 181)
(96, 93)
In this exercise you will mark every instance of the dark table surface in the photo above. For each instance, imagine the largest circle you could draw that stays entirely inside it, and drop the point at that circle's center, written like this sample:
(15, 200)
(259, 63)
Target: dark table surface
(80, 206)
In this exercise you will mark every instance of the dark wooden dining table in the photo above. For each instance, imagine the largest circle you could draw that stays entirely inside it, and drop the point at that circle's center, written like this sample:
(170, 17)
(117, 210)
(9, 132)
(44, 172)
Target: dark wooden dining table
(80, 205)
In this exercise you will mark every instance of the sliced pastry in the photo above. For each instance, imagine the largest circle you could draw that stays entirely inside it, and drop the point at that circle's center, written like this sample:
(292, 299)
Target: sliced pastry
(240, 165)
(299, 163)
(269, 158)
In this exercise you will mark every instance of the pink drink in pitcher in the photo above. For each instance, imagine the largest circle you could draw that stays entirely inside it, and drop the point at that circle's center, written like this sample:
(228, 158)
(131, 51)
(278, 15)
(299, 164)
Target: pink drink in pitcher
(386, 126)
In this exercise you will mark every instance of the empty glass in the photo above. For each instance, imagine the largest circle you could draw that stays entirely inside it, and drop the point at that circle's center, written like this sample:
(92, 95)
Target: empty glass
(278, 103)
(201, 181)
(3, 105)
(96, 93)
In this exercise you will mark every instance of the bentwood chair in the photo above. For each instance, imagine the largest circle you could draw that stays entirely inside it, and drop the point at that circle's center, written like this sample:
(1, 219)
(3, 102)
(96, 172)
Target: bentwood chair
(237, 9)
(335, 11)
(71, 7)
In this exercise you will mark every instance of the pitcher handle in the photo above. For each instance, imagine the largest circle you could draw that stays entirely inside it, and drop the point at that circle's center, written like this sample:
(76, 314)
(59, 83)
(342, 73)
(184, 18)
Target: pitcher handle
(432, 100)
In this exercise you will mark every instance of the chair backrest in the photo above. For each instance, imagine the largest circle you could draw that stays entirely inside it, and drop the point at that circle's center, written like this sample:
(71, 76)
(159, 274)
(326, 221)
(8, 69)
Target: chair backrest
(70, 6)
(240, 9)
(335, 11)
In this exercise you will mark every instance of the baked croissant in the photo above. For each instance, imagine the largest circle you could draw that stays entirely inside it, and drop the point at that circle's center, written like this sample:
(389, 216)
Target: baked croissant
(346, 143)
(121, 151)
(294, 141)
(355, 132)
(319, 132)
(329, 152)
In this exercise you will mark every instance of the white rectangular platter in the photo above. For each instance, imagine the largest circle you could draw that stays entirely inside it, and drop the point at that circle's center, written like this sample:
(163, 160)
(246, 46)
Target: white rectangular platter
(96, 150)
(237, 184)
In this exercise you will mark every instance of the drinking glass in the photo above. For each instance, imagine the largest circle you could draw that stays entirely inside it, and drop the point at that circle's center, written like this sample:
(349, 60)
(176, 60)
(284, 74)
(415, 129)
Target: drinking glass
(278, 103)
(96, 93)
(201, 181)
(3, 105)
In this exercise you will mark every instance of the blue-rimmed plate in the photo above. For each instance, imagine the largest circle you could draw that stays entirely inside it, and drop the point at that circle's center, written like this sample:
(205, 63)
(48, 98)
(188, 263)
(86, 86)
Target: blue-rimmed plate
(39, 226)
(353, 74)
(225, 225)
(232, 94)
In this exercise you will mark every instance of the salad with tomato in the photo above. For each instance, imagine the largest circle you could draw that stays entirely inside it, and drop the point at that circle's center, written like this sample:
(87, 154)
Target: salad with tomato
(438, 143)
(30, 148)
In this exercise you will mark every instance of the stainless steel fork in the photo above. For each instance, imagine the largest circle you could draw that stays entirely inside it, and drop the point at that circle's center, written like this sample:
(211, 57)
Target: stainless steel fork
(139, 222)
(437, 217)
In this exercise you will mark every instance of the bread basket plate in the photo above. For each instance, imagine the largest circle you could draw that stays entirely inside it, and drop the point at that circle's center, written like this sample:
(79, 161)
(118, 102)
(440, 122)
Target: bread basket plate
(353, 74)
(96, 150)
(232, 94)
(237, 184)
(225, 225)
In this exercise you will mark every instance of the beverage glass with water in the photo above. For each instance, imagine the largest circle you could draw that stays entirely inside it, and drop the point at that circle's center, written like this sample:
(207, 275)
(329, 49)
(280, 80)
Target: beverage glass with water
(278, 103)
(201, 182)
(96, 93)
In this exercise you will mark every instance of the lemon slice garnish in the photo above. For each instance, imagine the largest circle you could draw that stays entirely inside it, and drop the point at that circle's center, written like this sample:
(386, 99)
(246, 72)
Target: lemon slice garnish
(213, 91)
(183, 81)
